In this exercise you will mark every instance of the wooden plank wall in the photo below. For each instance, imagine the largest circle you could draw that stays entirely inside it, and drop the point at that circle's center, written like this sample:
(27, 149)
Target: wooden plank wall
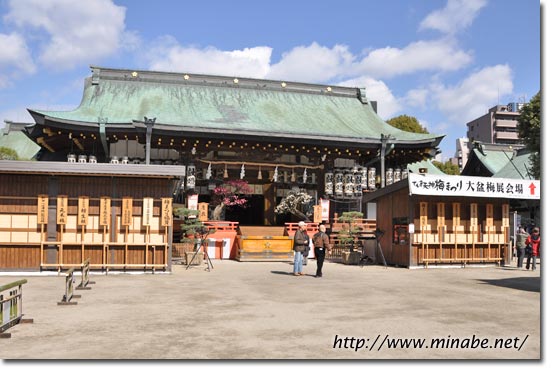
(489, 247)
(20, 235)
(394, 205)
(451, 220)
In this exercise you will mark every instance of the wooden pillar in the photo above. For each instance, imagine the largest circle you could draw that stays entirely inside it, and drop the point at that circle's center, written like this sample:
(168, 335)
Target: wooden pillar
(456, 223)
(269, 193)
(52, 250)
(505, 233)
(423, 224)
(474, 226)
(489, 226)
(441, 226)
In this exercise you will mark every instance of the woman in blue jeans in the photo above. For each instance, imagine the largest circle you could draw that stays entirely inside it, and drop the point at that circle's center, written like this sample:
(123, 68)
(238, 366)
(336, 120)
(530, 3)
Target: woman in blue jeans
(301, 240)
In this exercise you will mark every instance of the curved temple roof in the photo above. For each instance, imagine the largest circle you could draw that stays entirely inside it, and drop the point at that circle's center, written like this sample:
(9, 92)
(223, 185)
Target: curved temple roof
(229, 105)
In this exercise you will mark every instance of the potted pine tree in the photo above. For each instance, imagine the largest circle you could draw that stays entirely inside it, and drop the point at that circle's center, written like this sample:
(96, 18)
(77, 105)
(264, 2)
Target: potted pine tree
(348, 236)
(195, 234)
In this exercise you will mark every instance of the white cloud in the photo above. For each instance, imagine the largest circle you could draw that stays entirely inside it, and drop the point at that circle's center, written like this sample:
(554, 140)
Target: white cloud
(456, 16)
(170, 56)
(416, 98)
(438, 55)
(15, 58)
(475, 94)
(313, 63)
(387, 104)
(426, 125)
(77, 31)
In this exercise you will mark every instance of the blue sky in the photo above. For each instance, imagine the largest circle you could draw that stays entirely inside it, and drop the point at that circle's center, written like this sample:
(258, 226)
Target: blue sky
(444, 62)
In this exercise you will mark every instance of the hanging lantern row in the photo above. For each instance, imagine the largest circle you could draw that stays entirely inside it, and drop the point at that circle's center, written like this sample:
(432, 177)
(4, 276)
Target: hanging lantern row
(349, 183)
(395, 175)
(342, 183)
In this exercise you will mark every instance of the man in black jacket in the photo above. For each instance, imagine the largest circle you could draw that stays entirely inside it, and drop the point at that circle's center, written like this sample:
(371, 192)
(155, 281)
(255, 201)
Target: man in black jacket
(321, 246)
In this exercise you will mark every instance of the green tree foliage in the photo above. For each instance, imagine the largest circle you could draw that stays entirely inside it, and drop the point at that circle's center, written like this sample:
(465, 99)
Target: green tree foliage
(349, 231)
(8, 154)
(448, 167)
(529, 128)
(406, 123)
(194, 230)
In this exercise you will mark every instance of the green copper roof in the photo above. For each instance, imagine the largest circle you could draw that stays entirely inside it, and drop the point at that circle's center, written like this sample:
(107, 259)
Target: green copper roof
(517, 168)
(218, 103)
(493, 160)
(18, 141)
(432, 169)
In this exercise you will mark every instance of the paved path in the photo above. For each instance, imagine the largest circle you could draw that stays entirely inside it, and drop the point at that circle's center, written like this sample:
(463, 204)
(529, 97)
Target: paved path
(260, 311)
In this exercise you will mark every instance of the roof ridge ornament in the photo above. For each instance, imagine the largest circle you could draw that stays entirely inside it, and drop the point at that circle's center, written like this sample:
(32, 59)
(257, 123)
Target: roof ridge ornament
(362, 95)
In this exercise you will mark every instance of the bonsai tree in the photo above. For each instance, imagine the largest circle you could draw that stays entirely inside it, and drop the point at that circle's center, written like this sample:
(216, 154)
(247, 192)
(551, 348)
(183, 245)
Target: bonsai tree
(350, 229)
(194, 231)
(230, 194)
(292, 203)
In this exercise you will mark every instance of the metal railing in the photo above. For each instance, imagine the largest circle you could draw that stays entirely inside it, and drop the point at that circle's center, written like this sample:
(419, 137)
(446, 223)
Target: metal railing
(11, 305)
(69, 289)
(85, 267)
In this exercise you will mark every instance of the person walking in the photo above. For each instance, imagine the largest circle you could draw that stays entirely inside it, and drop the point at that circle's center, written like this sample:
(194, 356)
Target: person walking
(520, 239)
(320, 246)
(533, 243)
(301, 241)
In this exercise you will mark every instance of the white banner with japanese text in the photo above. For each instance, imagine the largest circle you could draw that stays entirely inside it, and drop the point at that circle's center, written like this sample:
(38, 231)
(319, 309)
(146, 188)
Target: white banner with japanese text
(325, 209)
(434, 185)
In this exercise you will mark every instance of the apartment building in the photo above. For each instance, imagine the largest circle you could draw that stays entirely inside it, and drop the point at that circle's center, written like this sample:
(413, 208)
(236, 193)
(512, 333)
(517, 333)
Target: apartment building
(498, 126)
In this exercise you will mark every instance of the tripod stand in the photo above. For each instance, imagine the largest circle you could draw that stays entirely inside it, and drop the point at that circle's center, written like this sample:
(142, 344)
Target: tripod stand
(209, 265)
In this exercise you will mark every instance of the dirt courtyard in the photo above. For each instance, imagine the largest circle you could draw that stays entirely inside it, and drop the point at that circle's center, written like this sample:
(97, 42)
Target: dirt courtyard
(260, 311)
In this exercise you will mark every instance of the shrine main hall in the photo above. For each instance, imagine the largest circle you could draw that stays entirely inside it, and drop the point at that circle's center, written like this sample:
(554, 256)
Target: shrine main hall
(276, 135)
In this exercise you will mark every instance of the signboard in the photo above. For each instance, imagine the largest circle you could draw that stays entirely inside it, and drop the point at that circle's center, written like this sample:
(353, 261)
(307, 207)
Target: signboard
(166, 212)
(505, 215)
(147, 210)
(105, 211)
(83, 210)
(317, 214)
(440, 214)
(435, 185)
(489, 215)
(192, 202)
(423, 214)
(42, 209)
(126, 211)
(203, 211)
(474, 215)
(61, 209)
(456, 214)
(325, 209)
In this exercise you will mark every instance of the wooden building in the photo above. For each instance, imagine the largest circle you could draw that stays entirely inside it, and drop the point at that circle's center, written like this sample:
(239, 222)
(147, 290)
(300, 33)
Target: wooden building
(432, 219)
(277, 135)
(56, 215)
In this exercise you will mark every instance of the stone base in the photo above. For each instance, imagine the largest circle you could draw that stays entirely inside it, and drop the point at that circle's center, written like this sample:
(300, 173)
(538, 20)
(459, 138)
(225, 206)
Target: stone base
(351, 257)
(196, 259)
